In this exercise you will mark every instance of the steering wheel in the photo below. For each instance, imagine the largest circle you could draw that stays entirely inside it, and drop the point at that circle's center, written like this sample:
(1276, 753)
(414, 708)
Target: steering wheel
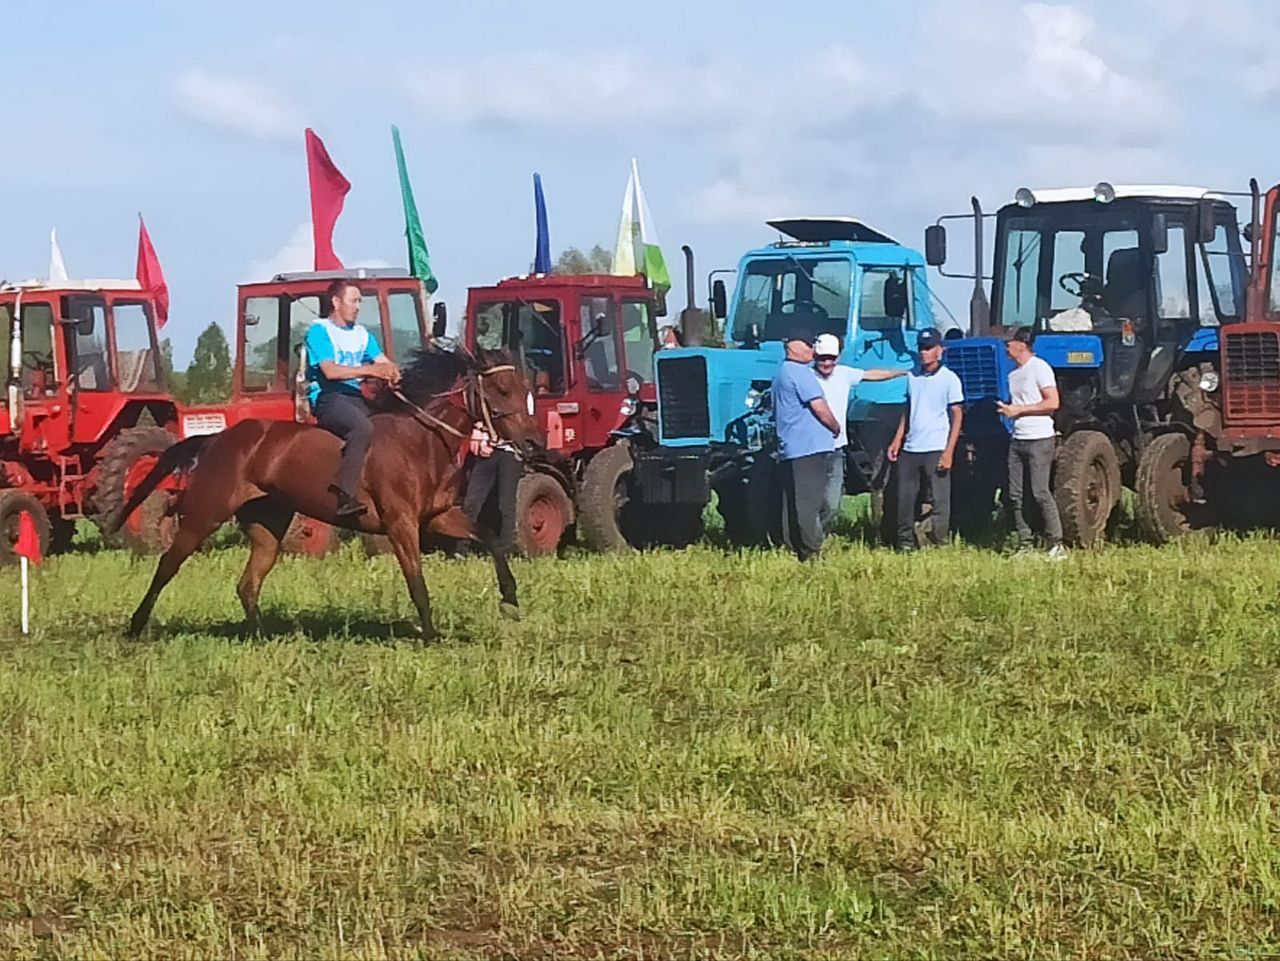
(1080, 284)
(818, 312)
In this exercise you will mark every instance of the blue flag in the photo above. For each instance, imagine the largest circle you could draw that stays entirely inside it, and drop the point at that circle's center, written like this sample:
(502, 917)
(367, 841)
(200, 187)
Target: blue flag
(542, 254)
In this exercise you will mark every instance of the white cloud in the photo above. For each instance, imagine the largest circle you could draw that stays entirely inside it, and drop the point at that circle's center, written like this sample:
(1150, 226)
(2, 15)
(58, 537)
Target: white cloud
(243, 107)
(295, 254)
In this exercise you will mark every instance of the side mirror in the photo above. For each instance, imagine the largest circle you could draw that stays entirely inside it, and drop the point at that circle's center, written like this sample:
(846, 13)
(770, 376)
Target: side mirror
(895, 297)
(439, 319)
(935, 245)
(84, 327)
(252, 320)
(719, 300)
(660, 303)
(1247, 233)
(1159, 234)
(1208, 229)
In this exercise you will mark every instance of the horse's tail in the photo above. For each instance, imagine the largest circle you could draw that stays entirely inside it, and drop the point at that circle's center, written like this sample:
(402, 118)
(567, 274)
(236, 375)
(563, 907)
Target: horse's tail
(180, 456)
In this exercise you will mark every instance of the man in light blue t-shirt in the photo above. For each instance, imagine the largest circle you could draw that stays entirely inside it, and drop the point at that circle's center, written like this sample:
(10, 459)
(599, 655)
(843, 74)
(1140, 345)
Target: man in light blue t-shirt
(340, 353)
(925, 444)
(807, 432)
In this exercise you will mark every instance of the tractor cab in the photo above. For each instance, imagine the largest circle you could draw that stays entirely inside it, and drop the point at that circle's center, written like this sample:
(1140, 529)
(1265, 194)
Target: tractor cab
(272, 320)
(76, 354)
(587, 345)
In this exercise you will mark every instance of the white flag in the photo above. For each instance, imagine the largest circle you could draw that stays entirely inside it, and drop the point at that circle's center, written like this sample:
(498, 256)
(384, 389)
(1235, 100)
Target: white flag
(57, 267)
(637, 250)
(624, 251)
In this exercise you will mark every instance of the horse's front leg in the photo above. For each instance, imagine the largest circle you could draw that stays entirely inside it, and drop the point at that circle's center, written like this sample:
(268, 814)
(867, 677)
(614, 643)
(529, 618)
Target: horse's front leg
(403, 535)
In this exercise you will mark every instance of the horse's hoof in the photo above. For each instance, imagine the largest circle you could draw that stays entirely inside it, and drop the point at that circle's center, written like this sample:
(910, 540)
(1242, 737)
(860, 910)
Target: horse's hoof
(510, 611)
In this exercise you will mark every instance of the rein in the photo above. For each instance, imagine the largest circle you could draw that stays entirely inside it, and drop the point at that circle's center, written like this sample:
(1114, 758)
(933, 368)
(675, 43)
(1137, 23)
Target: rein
(475, 388)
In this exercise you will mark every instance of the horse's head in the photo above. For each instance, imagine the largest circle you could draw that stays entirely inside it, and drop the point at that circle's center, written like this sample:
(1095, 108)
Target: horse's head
(502, 400)
(490, 384)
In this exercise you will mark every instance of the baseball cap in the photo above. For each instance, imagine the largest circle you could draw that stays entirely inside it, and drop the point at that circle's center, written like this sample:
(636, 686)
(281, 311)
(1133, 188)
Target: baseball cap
(826, 346)
(929, 337)
(800, 332)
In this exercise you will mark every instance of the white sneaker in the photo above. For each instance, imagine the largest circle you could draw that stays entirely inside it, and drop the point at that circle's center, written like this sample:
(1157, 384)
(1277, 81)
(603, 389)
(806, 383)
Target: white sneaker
(1057, 553)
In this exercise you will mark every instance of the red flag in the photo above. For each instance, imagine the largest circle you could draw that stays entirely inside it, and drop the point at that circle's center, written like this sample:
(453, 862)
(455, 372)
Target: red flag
(150, 276)
(328, 191)
(28, 544)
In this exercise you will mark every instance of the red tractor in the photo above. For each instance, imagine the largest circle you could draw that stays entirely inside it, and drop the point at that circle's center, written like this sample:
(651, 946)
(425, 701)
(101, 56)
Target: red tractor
(587, 343)
(268, 382)
(86, 407)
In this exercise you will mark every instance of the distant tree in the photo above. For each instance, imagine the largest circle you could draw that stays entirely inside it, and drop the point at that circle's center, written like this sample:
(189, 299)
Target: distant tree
(208, 379)
(597, 260)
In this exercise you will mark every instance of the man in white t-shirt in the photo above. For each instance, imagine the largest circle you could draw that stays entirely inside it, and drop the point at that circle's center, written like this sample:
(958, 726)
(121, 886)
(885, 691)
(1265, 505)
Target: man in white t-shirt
(1033, 397)
(925, 445)
(837, 382)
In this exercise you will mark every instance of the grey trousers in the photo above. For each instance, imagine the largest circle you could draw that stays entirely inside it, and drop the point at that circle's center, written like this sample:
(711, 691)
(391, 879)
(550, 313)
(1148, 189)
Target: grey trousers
(804, 492)
(913, 470)
(347, 416)
(1034, 459)
(835, 490)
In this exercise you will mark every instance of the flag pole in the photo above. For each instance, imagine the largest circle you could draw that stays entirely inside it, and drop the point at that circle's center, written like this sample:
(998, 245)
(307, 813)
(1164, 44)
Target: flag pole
(25, 599)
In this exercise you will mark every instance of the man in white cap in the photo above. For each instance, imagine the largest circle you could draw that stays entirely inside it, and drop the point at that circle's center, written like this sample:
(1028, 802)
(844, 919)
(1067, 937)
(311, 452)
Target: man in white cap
(837, 382)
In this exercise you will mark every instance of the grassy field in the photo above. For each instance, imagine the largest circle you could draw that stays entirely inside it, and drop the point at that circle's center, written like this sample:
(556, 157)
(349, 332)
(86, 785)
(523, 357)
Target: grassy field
(676, 754)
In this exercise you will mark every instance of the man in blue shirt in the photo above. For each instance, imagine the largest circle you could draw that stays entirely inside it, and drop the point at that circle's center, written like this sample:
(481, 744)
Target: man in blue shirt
(925, 444)
(807, 432)
(340, 353)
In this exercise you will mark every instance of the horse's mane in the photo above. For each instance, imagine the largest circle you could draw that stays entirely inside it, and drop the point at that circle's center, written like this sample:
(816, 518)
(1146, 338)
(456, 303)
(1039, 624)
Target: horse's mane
(432, 370)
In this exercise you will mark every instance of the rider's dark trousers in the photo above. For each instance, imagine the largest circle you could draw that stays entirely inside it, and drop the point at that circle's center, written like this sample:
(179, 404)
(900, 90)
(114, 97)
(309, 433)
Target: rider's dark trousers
(347, 415)
(499, 470)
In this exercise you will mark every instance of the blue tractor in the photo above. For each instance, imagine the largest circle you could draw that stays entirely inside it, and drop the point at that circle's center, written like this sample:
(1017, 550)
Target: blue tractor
(833, 275)
(1126, 287)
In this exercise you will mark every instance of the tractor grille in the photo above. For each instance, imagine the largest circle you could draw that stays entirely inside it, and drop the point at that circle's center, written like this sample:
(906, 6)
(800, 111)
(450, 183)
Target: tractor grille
(1251, 380)
(683, 402)
(978, 367)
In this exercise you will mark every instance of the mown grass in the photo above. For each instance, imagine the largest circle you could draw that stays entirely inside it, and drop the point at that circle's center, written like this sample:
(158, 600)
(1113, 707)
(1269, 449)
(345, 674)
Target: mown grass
(675, 754)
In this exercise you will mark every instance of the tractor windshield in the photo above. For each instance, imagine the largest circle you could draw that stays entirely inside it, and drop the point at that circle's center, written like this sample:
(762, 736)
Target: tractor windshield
(533, 331)
(777, 292)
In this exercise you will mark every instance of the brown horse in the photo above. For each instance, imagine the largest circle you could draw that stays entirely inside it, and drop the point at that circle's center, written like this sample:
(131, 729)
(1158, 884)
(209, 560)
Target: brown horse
(263, 472)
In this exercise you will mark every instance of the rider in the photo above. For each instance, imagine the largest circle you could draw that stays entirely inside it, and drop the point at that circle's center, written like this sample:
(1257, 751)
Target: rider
(340, 353)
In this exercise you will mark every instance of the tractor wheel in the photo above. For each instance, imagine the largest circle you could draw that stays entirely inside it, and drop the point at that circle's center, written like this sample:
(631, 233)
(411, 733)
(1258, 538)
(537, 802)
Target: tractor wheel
(751, 506)
(1164, 503)
(126, 460)
(12, 504)
(1086, 486)
(604, 501)
(310, 537)
(543, 513)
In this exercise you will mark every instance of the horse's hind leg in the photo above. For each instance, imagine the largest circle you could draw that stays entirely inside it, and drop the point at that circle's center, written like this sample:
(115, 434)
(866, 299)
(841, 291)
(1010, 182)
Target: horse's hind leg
(265, 522)
(193, 530)
(454, 523)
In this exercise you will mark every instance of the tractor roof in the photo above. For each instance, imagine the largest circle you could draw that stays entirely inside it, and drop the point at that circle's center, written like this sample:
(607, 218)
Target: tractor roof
(1057, 195)
(821, 230)
(353, 273)
(88, 284)
(574, 280)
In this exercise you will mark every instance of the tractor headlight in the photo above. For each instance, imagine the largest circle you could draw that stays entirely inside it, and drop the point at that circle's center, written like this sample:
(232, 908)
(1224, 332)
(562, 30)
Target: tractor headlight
(752, 400)
(1209, 381)
(529, 403)
(628, 407)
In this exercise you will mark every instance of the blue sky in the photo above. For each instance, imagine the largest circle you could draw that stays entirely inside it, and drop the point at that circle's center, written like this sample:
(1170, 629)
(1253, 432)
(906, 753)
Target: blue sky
(193, 114)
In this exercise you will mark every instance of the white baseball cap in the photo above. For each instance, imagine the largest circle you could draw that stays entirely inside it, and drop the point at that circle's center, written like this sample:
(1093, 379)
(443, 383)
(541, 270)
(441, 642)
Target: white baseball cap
(826, 346)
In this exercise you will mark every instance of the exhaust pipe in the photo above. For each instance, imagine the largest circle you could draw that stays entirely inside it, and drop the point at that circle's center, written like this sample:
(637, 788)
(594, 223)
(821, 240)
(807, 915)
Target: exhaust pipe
(979, 306)
(691, 319)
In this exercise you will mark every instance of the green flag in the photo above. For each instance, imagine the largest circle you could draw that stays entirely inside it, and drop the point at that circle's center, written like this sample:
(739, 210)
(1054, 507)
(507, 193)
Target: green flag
(419, 259)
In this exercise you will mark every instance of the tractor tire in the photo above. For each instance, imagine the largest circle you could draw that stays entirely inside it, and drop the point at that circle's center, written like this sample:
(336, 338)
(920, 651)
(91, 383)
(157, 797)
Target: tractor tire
(125, 462)
(309, 537)
(751, 506)
(1164, 507)
(1086, 486)
(12, 504)
(543, 514)
(604, 501)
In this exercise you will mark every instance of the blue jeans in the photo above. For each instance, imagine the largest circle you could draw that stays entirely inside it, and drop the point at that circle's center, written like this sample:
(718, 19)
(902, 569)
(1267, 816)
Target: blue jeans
(835, 490)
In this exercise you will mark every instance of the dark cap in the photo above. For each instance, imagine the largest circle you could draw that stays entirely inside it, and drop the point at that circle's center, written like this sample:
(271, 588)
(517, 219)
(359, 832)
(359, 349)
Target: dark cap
(800, 332)
(927, 338)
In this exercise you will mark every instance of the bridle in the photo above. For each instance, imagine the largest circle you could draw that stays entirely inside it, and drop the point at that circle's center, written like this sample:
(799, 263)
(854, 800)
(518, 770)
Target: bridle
(473, 387)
